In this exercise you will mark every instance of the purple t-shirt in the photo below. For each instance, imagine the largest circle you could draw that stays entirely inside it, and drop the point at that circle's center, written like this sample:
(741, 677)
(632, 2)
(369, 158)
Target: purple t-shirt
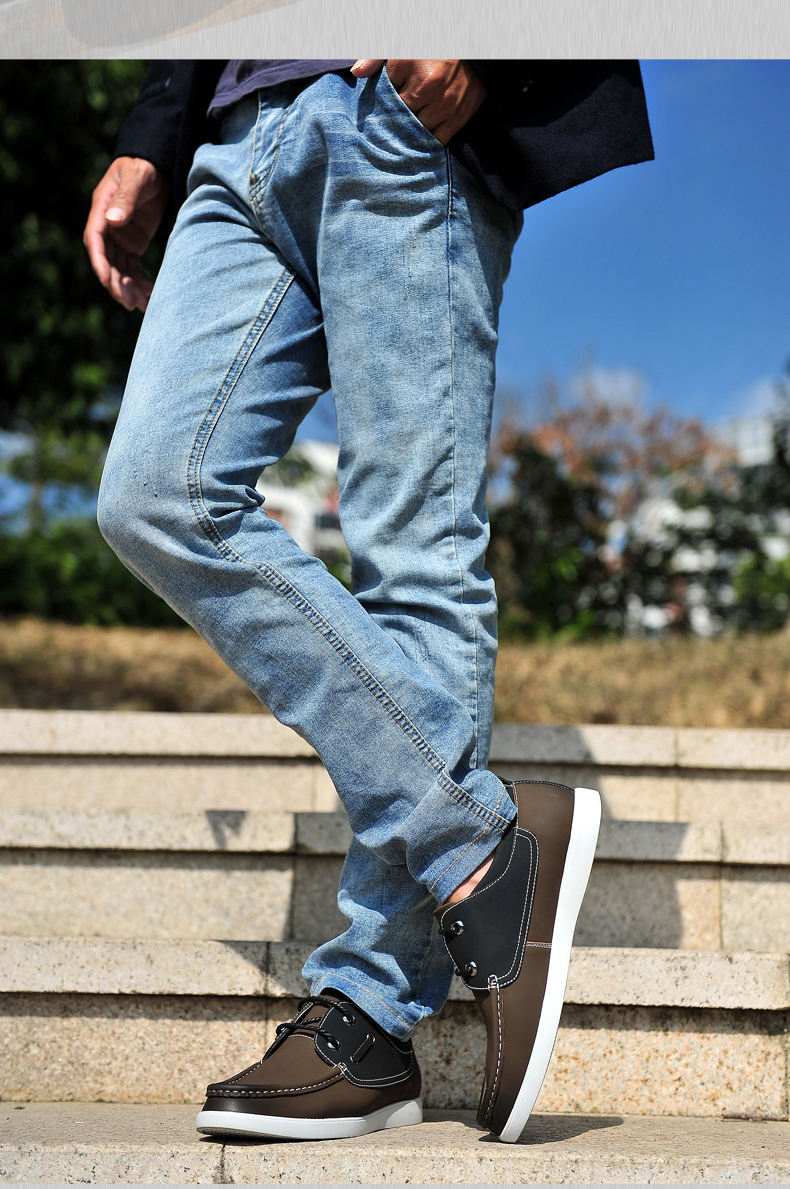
(242, 76)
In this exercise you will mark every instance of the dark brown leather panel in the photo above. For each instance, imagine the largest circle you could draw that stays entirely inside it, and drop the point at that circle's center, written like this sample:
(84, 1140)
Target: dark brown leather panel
(549, 816)
(288, 1068)
(512, 1015)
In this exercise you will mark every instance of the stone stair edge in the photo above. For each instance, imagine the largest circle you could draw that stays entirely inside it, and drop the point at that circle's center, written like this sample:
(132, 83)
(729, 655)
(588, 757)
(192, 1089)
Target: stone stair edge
(598, 975)
(325, 833)
(214, 830)
(147, 733)
(80, 1143)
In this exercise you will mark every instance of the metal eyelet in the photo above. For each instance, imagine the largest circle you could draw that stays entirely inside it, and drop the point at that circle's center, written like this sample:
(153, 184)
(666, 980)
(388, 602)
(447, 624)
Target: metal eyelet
(456, 929)
(347, 1018)
(470, 970)
(332, 1043)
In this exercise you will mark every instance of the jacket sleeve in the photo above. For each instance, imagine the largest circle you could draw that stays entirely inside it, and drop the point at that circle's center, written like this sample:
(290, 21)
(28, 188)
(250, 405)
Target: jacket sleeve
(168, 122)
(546, 126)
(502, 78)
(151, 129)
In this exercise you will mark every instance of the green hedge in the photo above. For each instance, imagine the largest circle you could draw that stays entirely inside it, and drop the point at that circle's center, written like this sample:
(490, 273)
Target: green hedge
(68, 572)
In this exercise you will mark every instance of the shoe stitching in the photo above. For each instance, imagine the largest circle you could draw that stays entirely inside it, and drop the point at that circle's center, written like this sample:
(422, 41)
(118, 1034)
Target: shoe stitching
(527, 913)
(252, 1069)
(495, 1083)
(258, 1064)
(285, 1090)
(393, 1079)
(478, 891)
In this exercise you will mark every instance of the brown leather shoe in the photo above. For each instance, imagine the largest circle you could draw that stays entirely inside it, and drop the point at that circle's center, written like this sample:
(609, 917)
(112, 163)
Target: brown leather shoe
(330, 1074)
(511, 941)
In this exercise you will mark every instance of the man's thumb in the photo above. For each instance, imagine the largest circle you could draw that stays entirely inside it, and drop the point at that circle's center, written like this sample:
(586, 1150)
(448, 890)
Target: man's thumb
(121, 209)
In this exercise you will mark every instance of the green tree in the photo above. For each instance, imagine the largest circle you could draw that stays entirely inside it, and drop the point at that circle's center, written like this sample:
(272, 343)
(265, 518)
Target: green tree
(546, 547)
(65, 346)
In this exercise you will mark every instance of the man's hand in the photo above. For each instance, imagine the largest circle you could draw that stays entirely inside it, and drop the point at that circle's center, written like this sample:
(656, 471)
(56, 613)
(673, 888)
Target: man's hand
(443, 94)
(128, 205)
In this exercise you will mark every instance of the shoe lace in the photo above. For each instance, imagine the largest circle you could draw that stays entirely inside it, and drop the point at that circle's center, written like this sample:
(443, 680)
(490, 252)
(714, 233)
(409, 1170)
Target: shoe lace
(312, 1026)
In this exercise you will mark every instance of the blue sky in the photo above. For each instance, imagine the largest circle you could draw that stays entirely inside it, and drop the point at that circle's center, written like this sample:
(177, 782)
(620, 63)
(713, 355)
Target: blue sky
(673, 274)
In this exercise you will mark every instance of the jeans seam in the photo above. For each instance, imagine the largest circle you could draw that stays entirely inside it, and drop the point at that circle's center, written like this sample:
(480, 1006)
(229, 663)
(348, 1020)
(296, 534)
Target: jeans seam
(285, 588)
(457, 859)
(223, 393)
(385, 700)
(258, 185)
(471, 618)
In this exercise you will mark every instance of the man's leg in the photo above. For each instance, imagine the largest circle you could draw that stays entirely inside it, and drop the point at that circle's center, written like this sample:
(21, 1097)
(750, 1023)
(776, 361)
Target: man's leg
(230, 356)
(410, 267)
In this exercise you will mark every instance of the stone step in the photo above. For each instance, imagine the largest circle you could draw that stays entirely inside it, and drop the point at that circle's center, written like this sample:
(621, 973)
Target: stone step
(74, 759)
(143, 761)
(642, 1031)
(106, 1143)
(216, 873)
(274, 876)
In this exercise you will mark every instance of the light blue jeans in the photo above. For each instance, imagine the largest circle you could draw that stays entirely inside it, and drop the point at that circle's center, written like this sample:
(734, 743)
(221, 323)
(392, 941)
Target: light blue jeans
(330, 238)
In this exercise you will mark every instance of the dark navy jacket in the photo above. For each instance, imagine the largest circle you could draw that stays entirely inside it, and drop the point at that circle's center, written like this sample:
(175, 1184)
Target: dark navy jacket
(544, 127)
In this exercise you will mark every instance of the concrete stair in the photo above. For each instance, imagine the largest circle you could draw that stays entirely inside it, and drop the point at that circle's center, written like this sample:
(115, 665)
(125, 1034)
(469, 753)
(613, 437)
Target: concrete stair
(644, 1031)
(273, 876)
(106, 1143)
(130, 842)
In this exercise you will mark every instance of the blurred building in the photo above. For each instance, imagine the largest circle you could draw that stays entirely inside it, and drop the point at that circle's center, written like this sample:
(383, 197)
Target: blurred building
(751, 438)
(308, 507)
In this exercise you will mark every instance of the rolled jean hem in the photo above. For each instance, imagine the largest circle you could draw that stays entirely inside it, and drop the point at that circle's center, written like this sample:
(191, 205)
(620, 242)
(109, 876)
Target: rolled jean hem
(483, 826)
(377, 1008)
(477, 851)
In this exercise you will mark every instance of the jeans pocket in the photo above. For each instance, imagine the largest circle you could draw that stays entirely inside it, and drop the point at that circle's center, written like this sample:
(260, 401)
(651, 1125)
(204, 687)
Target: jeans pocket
(406, 117)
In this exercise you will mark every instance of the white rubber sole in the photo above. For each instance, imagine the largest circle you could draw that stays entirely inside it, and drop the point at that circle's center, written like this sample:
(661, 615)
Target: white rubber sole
(397, 1114)
(581, 852)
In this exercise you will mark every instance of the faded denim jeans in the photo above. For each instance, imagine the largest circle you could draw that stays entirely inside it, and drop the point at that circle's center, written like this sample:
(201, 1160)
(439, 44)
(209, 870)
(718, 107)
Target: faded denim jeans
(331, 239)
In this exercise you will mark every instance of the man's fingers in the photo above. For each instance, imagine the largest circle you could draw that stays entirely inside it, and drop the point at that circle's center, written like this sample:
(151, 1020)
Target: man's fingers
(399, 71)
(125, 199)
(118, 289)
(126, 210)
(94, 242)
(364, 67)
(443, 94)
(128, 290)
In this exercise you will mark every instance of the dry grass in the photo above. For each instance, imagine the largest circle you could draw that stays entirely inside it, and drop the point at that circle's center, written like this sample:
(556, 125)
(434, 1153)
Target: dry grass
(737, 682)
(734, 682)
(53, 666)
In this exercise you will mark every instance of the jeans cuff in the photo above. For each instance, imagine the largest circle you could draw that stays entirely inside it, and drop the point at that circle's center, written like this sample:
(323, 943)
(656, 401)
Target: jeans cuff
(482, 828)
